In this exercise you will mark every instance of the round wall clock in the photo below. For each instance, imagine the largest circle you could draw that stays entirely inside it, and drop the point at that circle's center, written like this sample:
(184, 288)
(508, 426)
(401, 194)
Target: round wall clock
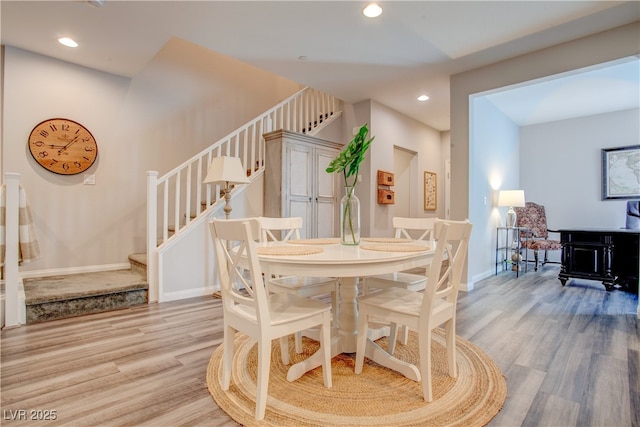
(63, 146)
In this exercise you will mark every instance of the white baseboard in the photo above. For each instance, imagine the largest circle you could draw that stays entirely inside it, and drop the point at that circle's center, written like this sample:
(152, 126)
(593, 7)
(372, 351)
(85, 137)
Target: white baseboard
(189, 293)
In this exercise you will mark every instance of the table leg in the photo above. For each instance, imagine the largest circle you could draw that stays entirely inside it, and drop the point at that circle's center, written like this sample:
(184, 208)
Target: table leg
(377, 354)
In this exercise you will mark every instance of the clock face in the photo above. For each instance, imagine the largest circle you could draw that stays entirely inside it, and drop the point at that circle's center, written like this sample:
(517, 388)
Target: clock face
(63, 146)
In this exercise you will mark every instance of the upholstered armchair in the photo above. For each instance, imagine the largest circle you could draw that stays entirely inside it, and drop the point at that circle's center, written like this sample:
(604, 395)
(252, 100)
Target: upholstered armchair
(534, 218)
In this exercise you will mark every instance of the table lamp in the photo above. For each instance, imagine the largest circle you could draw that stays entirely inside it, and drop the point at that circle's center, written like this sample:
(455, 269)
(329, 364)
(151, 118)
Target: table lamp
(227, 170)
(511, 198)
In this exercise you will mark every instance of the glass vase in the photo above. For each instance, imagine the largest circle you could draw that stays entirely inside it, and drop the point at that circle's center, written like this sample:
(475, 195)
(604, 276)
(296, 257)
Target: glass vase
(350, 218)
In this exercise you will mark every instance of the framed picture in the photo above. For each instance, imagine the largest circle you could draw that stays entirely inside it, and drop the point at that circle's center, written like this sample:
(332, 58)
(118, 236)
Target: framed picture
(621, 173)
(430, 191)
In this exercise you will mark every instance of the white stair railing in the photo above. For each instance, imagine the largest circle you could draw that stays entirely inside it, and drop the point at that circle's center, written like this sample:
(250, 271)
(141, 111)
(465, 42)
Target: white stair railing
(179, 197)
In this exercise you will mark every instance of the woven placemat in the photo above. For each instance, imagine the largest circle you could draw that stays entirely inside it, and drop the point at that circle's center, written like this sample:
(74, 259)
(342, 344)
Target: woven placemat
(393, 247)
(289, 250)
(376, 397)
(319, 241)
(386, 240)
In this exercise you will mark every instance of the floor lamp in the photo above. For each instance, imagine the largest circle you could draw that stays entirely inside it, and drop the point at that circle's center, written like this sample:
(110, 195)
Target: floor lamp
(226, 170)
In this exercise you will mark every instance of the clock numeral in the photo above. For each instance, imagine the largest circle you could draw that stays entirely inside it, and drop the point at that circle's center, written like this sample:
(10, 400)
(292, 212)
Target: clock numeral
(65, 126)
(88, 148)
(38, 143)
(86, 158)
(53, 127)
(77, 164)
(53, 162)
(44, 133)
(65, 166)
(43, 154)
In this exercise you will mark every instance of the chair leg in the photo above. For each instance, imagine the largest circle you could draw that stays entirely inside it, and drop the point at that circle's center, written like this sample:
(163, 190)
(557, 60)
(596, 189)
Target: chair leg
(536, 257)
(450, 333)
(264, 365)
(405, 335)
(325, 343)
(298, 342)
(227, 356)
(284, 349)
(424, 349)
(361, 341)
(334, 308)
(393, 336)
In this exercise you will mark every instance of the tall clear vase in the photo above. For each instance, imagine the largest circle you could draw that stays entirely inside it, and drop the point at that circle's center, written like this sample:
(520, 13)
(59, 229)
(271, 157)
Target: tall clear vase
(350, 217)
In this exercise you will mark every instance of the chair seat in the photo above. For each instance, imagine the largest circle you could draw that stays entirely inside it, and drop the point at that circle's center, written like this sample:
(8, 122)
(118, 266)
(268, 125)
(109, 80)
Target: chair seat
(414, 282)
(403, 301)
(297, 282)
(285, 308)
(543, 245)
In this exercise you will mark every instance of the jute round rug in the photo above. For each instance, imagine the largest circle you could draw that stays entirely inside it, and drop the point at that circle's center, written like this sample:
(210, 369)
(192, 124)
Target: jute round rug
(376, 397)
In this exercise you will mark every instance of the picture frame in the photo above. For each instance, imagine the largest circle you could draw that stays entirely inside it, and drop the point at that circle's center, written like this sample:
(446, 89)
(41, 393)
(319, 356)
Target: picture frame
(620, 173)
(430, 191)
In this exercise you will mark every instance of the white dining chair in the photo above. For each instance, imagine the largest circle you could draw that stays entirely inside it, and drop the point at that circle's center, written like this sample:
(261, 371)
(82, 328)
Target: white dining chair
(288, 229)
(407, 228)
(422, 311)
(249, 309)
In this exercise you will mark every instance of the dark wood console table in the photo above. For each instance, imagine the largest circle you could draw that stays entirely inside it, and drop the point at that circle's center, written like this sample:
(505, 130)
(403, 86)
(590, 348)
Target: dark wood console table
(610, 256)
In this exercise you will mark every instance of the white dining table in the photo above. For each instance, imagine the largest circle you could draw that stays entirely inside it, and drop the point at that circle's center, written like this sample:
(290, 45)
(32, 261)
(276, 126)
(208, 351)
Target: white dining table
(349, 263)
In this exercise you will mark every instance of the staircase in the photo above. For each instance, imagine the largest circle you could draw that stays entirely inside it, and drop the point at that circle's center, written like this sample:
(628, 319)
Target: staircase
(178, 194)
(58, 297)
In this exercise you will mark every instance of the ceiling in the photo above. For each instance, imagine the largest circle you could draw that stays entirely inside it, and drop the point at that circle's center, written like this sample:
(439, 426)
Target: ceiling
(411, 49)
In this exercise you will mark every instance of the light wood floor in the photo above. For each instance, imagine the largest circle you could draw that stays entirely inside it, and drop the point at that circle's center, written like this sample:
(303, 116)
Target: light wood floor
(571, 357)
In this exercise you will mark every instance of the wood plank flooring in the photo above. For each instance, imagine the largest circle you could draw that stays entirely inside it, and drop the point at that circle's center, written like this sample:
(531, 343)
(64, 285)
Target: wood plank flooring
(571, 356)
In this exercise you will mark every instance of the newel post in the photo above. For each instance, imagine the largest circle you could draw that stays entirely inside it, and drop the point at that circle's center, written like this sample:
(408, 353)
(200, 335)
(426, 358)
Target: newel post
(11, 311)
(152, 237)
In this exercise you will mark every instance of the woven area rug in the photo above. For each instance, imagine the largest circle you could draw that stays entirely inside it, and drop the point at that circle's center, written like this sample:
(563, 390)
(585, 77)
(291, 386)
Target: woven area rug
(376, 397)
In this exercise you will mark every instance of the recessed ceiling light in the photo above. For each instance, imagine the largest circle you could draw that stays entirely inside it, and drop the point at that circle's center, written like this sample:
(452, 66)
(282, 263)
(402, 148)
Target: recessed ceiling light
(372, 11)
(67, 42)
(423, 98)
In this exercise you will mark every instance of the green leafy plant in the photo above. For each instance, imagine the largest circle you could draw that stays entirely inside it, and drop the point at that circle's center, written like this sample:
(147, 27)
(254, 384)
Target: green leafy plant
(348, 162)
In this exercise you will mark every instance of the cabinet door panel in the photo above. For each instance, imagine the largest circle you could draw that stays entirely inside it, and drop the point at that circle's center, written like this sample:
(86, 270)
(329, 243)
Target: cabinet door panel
(300, 172)
(326, 181)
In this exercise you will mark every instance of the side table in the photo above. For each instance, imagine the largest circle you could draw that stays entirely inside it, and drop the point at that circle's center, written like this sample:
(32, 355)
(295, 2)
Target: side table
(508, 243)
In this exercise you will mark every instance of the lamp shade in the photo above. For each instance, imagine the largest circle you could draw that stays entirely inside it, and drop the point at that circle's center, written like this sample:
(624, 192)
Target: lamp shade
(226, 169)
(511, 198)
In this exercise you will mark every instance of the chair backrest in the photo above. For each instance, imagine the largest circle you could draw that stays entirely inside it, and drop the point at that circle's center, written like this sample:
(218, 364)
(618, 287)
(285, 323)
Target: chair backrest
(443, 278)
(534, 218)
(234, 243)
(423, 226)
(279, 229)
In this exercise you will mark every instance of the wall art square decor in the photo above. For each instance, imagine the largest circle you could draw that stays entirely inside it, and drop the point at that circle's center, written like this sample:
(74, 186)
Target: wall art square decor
(621, 173)
(430, 191)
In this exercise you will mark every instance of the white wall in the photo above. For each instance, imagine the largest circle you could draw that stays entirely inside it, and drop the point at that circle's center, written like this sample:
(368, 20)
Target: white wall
(493, 166)
(185, 99)
(599, 48)
(569, 185)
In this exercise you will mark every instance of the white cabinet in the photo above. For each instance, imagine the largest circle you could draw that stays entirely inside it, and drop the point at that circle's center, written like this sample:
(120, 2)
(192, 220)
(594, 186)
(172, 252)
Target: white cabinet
(296, 183)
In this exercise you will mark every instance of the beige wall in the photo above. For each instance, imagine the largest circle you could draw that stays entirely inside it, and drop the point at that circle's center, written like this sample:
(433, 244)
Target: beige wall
(185, 99)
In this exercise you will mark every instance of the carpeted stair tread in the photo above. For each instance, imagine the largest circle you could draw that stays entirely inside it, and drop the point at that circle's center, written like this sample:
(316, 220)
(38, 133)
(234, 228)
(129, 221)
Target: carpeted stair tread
(68, 287)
